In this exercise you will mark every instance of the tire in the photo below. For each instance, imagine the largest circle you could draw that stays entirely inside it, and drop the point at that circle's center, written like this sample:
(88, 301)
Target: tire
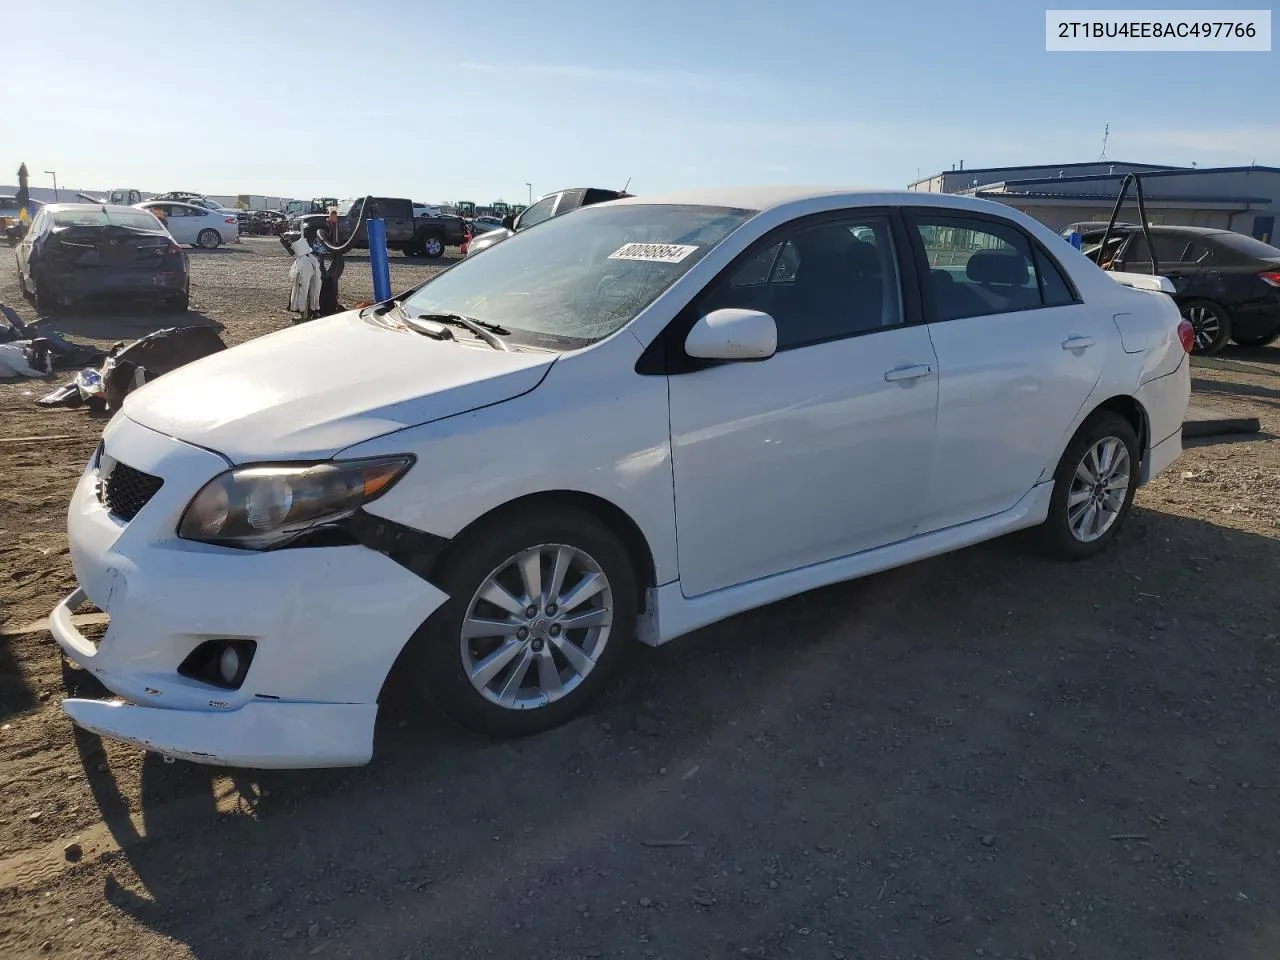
(209, 239)
(44, 301)
(441, 661)
(431, 245)
(180, 303)
(1067, 533)
(1263, 341)
(1212, 325)
(411, 251)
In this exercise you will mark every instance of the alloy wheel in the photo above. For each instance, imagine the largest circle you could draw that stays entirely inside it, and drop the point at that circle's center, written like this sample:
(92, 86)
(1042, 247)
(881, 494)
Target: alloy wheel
(537, 626)
(1206, 325)
(1098, 489)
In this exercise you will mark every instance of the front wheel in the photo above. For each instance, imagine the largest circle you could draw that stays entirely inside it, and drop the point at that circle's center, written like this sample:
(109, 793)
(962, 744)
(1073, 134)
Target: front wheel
(541, 611)
(1211, 323)
(208, 239)
(1093, 488)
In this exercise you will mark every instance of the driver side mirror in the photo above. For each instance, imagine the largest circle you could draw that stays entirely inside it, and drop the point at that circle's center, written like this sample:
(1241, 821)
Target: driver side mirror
(733, 334)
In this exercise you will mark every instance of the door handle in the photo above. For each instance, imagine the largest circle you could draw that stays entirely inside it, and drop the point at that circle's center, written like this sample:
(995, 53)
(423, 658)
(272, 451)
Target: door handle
(898, 374)
(1077, 343)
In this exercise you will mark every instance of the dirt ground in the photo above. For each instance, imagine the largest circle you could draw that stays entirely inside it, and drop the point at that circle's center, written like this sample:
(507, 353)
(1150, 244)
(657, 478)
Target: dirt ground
(987, 754)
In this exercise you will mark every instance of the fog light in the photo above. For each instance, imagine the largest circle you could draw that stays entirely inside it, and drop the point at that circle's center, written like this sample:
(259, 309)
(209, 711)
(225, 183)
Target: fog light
(229, 664)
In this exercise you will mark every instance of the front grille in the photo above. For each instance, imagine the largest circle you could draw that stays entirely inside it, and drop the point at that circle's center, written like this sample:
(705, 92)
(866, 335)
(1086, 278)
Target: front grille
(126, 490)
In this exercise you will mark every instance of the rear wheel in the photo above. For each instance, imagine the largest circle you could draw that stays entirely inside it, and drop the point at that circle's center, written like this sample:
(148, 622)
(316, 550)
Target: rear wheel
(1211, 323)
(1265, 340)
(1093, 487)
(209, 239)
(541, 611)
(432, 246)
(44, 301)
(177, 304)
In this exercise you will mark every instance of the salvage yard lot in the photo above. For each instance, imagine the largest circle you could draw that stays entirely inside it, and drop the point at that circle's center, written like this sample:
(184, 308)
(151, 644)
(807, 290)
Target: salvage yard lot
(985, 754)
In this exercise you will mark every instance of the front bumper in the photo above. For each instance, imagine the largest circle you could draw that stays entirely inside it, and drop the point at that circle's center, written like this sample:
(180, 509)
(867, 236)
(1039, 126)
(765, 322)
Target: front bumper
(328, 622)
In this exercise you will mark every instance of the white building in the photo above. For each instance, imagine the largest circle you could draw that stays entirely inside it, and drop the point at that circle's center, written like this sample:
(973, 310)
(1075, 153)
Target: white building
(1245, 199)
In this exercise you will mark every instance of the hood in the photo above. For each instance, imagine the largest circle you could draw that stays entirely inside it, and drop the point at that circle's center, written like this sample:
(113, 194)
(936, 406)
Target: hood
(310, 391)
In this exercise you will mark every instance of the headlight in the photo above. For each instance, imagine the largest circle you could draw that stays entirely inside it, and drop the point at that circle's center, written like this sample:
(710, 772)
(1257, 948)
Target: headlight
(262, 507)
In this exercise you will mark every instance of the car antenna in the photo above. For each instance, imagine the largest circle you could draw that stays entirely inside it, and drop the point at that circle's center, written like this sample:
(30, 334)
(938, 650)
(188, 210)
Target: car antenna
(625, 185)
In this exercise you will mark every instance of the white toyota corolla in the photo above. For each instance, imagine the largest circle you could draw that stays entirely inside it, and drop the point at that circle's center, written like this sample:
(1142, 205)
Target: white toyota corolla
(622, 424)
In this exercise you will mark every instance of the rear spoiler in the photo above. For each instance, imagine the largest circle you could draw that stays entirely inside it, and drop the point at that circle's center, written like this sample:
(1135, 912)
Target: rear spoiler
(1142, 281)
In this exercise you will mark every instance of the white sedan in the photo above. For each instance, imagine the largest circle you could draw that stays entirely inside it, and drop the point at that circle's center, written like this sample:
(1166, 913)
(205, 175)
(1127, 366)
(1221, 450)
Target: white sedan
(195, 225)
(630, 422)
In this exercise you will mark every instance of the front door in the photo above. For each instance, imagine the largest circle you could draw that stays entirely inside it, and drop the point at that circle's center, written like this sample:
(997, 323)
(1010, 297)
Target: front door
(1018, 356)
(823, 449)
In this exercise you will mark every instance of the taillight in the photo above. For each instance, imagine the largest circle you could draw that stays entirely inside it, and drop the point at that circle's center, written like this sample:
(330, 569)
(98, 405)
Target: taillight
(1270, 276)
(1187, 334)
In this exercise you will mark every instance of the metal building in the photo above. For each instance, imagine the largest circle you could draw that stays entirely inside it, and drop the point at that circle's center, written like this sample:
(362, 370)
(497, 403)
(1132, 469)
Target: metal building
(1245, 199)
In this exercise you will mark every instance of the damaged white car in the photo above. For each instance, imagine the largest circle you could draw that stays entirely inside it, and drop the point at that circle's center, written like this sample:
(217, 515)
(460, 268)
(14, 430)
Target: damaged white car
(638, 419)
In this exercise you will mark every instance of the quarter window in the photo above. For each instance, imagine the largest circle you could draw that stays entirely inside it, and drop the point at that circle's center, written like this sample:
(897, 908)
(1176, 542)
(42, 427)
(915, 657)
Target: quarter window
(818, 281)
(978, 267)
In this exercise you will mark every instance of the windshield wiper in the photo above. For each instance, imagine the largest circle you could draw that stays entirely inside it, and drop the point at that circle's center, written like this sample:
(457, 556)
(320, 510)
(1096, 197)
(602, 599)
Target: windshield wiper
(485, 331)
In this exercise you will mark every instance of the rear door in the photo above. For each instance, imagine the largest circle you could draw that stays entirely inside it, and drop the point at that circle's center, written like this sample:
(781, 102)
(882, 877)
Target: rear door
(1018, 356)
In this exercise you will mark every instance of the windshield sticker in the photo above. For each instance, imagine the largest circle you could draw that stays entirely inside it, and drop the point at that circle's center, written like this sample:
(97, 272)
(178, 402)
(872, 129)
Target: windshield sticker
(653, 252)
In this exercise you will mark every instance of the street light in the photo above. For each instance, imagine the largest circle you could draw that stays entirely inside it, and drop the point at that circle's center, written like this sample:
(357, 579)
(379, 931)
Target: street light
(55, 184)
(530, 186)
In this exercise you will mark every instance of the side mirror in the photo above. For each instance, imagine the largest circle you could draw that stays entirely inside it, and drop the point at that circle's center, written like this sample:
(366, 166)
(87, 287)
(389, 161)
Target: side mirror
(733, 334)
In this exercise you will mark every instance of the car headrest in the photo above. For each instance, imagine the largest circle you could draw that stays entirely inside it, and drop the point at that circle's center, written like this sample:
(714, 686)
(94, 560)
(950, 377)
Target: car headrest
(863, 258)
(992, 266)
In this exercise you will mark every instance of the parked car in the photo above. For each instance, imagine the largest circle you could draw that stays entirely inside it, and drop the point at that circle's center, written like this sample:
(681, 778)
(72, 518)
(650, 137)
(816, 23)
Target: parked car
(684, 431)
(414, 236)
(481, 225)
(195, 225)
(544, 208)
(77, 252)
(1227, 284)
(199, 199)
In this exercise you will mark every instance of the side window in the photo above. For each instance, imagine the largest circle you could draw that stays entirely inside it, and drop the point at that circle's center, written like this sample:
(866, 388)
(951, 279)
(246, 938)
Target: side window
(1054, 289)
(818, 281)
(977, 267)
(1196, 253)
(539, 211)
(1169, 249)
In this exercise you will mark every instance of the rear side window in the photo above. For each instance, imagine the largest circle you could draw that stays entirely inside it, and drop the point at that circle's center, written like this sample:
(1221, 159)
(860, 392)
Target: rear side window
(1054, 289)
(980, 267)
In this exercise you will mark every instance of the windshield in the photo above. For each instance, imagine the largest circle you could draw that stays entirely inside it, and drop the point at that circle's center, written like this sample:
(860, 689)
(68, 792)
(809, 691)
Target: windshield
(578, 278)
(103, 218)
(1247, 245)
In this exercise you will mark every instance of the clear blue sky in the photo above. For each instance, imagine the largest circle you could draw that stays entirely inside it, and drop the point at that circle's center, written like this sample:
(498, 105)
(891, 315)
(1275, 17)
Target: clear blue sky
(474, 98)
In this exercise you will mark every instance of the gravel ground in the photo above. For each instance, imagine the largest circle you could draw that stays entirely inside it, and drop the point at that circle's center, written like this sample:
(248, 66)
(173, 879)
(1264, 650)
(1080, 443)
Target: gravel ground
(987, 754)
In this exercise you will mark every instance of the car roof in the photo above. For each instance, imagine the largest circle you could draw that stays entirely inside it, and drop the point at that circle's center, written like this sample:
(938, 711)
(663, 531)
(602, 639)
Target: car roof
(171, 203)
(1167, 228)
(109, 207)
(763, 198)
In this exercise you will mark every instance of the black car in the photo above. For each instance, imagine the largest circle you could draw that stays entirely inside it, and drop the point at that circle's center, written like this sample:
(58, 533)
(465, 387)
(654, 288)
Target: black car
(544, 208)
(76, 252)
(1226, 284)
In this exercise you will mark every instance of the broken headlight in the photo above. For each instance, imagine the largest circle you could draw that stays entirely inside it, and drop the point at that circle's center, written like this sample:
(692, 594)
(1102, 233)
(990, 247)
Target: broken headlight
(261, 507)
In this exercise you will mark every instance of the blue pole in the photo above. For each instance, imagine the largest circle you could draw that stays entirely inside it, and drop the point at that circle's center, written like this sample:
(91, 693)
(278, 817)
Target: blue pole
(378, 259)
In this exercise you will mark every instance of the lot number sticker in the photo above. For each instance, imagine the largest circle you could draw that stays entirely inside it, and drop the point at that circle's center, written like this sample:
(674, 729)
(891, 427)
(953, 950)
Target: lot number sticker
(653, 252)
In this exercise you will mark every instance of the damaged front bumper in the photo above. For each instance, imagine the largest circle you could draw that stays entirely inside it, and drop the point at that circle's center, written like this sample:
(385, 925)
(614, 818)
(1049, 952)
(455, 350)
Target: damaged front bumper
(327, 624)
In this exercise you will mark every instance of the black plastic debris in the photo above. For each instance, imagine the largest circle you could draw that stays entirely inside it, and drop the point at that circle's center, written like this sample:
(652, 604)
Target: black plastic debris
(129, 367)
